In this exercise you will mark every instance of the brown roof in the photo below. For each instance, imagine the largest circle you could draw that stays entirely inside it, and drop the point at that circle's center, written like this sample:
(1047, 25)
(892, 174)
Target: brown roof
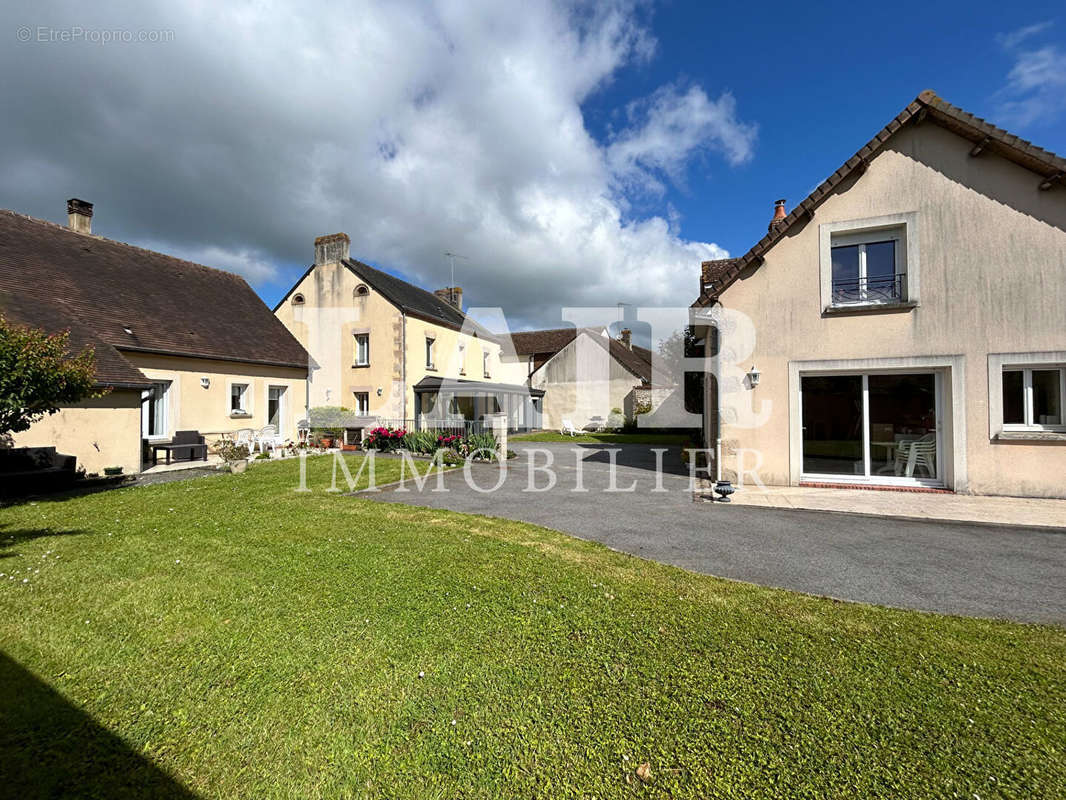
(527, 343)
(57, 279)
(716, 276)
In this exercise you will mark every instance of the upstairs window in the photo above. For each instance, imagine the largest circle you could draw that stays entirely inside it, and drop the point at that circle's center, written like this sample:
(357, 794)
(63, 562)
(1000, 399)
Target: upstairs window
(485, 363)
(462, 358)
(867, 269)
(362, 349)
(869, 264)
(429, 353)
(362, 404)
(1032, 398)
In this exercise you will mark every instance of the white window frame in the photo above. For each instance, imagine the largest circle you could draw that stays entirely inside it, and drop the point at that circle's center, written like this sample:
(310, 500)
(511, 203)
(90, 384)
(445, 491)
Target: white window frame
(901, 228)
(952, 463)
(365, 411)
(998, 363)
(431, 360)
(868, 476)
(165, 414)
(1028, 408)
(486, 359)
(461, 354)
(283, 405)
(246, 397)
(357, 338)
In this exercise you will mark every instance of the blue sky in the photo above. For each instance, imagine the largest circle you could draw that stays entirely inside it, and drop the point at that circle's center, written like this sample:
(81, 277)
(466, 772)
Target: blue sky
(820, 79)
(576, 152)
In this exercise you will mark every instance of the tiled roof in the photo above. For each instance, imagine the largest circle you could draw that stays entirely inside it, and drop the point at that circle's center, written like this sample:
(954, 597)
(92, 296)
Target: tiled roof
(527, 343)
(716, 276)
(54, 278)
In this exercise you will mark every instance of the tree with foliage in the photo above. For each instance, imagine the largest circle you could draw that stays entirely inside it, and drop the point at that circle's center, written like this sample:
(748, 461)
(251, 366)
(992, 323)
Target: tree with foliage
(38, 375)
(673, 349)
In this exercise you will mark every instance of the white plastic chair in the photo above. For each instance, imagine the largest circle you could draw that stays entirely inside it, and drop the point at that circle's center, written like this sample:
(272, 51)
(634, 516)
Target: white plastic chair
(917, 453)
(268, 438)
(568, 428)
(246, 437)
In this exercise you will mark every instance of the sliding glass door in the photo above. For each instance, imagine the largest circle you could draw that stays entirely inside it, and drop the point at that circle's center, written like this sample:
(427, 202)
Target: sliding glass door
(873, 427)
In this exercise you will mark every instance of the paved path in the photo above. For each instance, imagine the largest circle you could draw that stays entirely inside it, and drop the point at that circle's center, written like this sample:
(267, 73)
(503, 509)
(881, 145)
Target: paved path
(955, 568)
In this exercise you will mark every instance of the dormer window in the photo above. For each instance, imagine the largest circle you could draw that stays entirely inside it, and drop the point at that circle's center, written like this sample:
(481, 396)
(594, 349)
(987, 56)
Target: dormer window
(869, 264)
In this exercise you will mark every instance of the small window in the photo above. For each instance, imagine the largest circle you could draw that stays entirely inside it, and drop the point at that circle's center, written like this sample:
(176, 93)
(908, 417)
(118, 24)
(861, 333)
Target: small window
(362, 349)
(361, 290)
(485, 356)
(462, 358)
(238, 394)
(1032, 398)
(429, 353)
(297, 299)
(362, 404)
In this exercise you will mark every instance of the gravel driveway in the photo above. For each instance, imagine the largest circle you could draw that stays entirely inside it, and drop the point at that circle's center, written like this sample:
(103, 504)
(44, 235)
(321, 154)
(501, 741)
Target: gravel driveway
(954, 568)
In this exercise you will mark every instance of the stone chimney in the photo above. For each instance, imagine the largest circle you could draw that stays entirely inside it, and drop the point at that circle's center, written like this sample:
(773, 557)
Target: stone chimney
(625, 336)
(453, 295)
(79, 215)
(779, 216)
(331, 249)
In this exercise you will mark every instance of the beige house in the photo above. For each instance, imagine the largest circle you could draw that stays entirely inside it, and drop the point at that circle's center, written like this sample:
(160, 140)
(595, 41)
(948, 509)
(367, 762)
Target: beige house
(178, 346)
(585, 374)
(905, 324)
(396, 354)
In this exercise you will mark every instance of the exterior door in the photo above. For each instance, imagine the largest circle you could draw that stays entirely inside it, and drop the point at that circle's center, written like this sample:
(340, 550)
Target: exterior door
(276, 407)
(872, 428)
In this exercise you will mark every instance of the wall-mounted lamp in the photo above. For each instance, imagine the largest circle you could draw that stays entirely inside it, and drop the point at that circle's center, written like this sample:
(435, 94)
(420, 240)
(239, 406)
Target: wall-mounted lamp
(205, 382)
(379, 391)
(753, 376)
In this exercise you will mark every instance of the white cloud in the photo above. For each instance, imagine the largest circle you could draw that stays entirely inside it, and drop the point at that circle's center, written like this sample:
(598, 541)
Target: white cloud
(669, 128)
(415, 127)
(1011, 40)
(1035, 89)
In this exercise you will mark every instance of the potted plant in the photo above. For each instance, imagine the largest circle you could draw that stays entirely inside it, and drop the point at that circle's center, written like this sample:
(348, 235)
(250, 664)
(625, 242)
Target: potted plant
(234, 455)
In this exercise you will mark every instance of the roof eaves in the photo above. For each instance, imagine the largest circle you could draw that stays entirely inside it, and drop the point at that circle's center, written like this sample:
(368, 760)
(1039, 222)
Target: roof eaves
(925, 105)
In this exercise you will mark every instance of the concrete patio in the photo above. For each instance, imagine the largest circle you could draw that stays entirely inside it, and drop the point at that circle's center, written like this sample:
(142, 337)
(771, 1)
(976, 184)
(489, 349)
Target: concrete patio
(932, 506)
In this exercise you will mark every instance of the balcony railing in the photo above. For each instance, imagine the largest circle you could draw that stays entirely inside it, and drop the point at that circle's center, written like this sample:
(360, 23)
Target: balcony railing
(871, 291)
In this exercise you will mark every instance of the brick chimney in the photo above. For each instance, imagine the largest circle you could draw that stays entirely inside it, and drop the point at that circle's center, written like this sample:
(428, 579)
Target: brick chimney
(453, 295)
(779, 216)
(331, 249)
(625, 336)
(79, 215)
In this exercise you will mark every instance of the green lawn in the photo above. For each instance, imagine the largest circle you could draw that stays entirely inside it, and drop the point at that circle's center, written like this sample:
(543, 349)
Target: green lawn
(603, 438)
(255, 642)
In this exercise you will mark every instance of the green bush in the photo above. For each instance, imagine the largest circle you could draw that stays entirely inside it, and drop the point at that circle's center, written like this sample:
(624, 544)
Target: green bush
(482, 441)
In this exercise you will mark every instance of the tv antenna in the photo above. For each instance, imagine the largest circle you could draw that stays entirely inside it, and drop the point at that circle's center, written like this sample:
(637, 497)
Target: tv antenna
(451, 258)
